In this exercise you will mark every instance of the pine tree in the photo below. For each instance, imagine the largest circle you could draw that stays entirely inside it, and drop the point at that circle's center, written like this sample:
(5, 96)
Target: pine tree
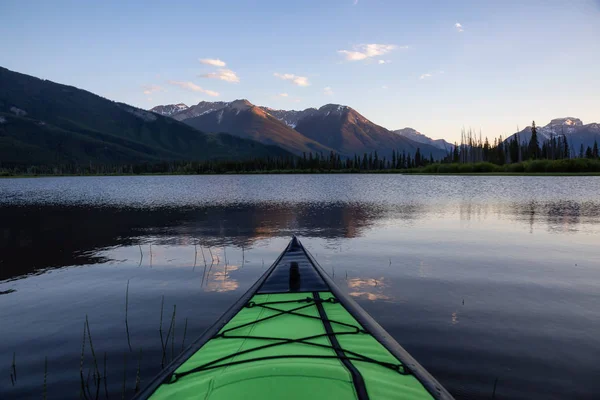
(455, 153)
(581, 151)
(534, 145)
(418, 157)
(595, 149)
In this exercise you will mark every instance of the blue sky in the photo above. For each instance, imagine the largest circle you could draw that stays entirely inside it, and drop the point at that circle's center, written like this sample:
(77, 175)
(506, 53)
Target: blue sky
(399, 63)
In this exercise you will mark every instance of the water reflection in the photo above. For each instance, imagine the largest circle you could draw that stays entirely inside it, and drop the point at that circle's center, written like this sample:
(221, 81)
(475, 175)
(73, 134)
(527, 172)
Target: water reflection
(37, 238)
(368, 288)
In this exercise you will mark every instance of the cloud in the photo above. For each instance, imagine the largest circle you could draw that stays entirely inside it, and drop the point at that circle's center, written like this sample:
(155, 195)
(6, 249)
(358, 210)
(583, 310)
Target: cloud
(283, 95)
(431, 74)
(295, 79)
(193, 87)
(459, 27)
(226, 75)
(384, 87)
(355, 2)
(328, 91)
(364, 51)
(149, 89)
(212, 61)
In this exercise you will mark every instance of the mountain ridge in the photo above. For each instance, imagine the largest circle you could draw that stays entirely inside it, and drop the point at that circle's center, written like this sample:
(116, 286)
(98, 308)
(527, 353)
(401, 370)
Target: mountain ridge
(417, 136)
(348, 131)
(576, 132)
(244, 119)
(43, 122)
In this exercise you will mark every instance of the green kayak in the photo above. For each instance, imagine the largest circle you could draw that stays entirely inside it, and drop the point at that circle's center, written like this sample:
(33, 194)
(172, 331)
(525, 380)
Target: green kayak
(294, 335)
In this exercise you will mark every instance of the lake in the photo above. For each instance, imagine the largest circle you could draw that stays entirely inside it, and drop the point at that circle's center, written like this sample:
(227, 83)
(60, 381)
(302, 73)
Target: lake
(486, 280)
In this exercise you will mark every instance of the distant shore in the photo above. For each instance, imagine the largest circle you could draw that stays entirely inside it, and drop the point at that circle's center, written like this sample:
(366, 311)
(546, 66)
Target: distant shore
(563, 167)
(381, 172)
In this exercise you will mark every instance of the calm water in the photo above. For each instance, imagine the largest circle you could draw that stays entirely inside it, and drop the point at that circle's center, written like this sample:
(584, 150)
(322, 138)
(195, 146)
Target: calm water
(480, 278)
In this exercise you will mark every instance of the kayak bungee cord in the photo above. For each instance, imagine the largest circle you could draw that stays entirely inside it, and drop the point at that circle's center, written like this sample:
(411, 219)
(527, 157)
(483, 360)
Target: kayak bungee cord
(283, 341)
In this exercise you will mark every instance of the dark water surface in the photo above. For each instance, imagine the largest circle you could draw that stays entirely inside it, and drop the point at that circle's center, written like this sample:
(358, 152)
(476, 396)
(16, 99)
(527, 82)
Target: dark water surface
(479, 278)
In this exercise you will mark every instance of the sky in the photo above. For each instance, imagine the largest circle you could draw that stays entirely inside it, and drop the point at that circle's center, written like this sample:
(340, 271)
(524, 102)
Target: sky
(435, 66)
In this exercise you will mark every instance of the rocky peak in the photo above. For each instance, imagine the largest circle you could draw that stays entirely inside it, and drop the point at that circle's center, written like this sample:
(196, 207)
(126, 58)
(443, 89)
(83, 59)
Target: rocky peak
(567, 121)
(241, 104)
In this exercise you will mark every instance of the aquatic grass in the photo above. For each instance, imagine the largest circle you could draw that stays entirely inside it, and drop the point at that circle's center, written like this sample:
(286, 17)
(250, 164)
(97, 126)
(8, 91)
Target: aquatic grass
(203, 257)
(173, 337)
(13, 367)
(105, 378)
(495, 385)
(96, 370)
(82, 393)
(243, 256)
(184, 333)
(170, 333)
(126, 315)
(87, 384)
(124, 376)
(45, 393)
(141, 255)
(162, 344)
(195, 256)
(96, 380)
(137, 374)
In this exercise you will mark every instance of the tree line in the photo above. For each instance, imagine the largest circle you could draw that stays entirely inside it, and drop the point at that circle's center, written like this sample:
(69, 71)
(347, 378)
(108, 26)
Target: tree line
(471, 150)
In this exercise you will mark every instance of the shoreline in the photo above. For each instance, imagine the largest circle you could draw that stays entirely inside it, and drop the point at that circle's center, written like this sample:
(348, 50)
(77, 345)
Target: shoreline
(382, 172)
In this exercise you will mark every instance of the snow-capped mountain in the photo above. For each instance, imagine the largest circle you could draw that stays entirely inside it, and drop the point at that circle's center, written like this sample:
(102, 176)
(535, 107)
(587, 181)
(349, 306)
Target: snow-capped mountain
(244, 119)
(331, 127)
(573, 129)
(186, 112)
(170, 109)
(418, 137)
(290, 117)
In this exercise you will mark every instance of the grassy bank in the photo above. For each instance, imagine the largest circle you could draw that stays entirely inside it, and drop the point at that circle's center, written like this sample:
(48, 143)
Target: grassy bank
(566, 167)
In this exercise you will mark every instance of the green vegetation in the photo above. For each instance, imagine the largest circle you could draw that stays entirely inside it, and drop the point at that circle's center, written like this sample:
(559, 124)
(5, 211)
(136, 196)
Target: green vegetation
(293, 165)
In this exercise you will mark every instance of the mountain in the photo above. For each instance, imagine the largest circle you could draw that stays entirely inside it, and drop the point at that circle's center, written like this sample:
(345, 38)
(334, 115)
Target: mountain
(331, 127)
(204, 107)
(418, 137)
(348, 132)
(42, 122)
(290, 117)
(244, 119)
(170, 109)
(572, 128)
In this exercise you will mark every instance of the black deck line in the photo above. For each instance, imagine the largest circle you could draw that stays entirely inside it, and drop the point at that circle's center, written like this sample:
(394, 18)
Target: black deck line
(357, 379)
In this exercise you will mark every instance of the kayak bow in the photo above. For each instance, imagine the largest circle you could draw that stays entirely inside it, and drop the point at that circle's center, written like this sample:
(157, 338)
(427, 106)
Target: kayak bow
(295, 335)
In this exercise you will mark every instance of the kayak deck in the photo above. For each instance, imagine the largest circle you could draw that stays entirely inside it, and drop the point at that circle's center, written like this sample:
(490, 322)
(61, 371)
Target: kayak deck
(293, 336)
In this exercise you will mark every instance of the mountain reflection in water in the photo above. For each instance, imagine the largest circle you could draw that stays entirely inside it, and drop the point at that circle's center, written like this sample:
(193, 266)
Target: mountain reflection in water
(36, 238)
